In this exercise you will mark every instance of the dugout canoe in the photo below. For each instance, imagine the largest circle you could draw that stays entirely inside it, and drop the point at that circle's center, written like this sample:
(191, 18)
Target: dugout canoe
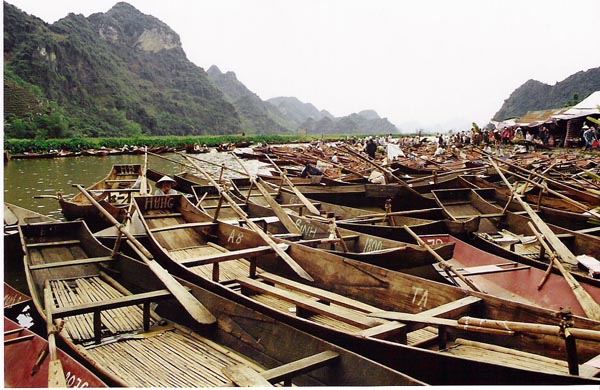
(507, 233)
(113, 193)
(341, 303)
(99, 294)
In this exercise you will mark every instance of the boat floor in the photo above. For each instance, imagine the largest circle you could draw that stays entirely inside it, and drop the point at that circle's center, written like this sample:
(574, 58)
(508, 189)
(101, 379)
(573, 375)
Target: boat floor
(164, 356)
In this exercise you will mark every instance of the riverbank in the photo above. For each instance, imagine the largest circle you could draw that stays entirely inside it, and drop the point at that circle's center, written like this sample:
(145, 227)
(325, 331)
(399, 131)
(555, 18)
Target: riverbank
(78, 145)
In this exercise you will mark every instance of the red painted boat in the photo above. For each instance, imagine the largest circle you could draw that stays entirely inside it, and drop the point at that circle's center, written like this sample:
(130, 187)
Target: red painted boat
(26, 361)
(509, 279)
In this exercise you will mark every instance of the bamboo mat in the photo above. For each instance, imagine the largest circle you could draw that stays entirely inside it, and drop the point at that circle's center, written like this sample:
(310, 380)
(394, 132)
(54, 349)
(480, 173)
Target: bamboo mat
(228, 270)
(79, 291)
(169, 359)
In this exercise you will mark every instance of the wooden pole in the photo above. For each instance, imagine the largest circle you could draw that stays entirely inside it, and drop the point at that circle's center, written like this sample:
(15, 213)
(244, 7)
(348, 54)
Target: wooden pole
(589, 305)
(187, 300)
(554, 241)
(439, 258)
(297, 192)
(56, 374)
(291, 262)
(276, 207)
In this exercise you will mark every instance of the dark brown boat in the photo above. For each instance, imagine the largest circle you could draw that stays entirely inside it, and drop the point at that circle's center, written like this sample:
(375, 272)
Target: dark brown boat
(345, 295)
(105, 298)
(113, 193)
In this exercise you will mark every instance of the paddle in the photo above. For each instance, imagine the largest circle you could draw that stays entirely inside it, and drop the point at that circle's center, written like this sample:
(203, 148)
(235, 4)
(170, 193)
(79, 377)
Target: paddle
(234, 206)
(589, 305)
(276, 207)
(187, 300)
(297, 192)
(447, 266)
(56, 374)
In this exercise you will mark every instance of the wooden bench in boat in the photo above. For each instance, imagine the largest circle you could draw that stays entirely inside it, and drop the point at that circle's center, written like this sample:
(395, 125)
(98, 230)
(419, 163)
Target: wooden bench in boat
(309, 305)
(491, 269)
(112, 181)
(69, 263)
(231, 255)
(97, 307)
(287, 371)
(244, 376)
(52, 243)
(322, 295)
(163, 215)
(594, 229)
(448, 310)
(183, 226)
(349, 237)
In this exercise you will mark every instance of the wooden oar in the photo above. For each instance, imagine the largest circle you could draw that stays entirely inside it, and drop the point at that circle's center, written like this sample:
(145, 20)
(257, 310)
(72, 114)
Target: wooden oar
(56, 374)
(187, 300)
(276, 207)
(483, 324)
(234, 206)
(439, 258)
(589, 305)
(297, 192)
(144, 181)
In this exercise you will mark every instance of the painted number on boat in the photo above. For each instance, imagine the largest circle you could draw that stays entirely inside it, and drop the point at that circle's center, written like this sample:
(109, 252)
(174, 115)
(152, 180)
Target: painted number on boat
(307, 230)
(372, 245)
(74, 381)
(420, 296)
(235, 237)
(434, 241)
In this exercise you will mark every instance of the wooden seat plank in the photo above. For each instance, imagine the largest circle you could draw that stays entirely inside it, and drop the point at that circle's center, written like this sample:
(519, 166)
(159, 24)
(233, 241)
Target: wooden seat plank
(319, 293)
(243, 376)
(338, 313)
(89, 260)
(53, 243)
(183, 226)
(385, 330)
(113, 303)
(299, 367)
(230, 255)
(163, 215)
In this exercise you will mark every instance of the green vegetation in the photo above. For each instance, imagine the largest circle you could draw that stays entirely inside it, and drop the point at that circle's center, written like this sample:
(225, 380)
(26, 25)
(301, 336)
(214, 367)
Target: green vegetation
(18, 146)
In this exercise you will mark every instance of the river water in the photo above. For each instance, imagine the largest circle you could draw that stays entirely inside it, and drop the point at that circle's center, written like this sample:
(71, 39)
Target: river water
(25, 179)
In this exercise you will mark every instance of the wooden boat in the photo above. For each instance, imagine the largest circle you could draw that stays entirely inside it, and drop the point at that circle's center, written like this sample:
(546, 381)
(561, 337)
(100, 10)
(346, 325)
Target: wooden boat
(113, 192)
(507, 233)
(577, 221)
(25, 360)
(317, 233)
(512, 280)
(345, 294)
(13, 216)
(99, 294)
(23, 350)
(532, 196)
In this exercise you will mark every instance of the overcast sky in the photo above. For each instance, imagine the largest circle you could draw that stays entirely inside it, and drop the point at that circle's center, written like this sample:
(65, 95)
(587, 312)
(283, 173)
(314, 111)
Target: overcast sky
(427, 63)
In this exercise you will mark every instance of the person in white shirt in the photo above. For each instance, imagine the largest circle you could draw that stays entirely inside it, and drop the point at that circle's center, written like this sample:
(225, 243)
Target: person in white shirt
(165, 186)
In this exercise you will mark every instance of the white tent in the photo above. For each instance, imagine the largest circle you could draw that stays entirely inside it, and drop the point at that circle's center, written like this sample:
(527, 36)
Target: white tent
(588, 106)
